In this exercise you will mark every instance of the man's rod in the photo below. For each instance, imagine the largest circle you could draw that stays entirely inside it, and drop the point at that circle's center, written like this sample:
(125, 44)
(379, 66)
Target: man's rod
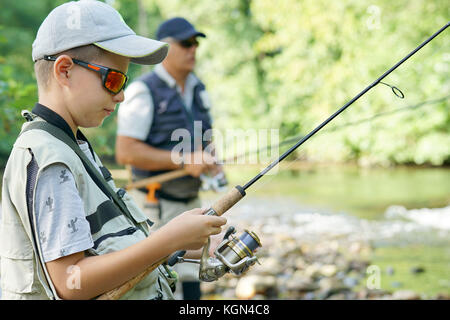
(237, 193)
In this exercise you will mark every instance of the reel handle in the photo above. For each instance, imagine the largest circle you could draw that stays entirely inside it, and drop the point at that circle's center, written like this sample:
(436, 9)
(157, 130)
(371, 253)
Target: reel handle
(218, 208)
(174, 258)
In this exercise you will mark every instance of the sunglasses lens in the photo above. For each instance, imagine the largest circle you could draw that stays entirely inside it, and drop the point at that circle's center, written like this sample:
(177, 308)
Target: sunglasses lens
(115, 81)
(189, 43)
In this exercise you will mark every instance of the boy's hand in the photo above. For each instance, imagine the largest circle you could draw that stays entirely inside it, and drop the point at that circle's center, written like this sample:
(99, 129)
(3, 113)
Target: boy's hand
(215, 241)
(191, 229)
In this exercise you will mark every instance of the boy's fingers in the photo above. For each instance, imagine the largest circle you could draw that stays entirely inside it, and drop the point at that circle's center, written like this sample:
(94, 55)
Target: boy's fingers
(196, 211)
(216, 230)
(204, 209)
(217, 221)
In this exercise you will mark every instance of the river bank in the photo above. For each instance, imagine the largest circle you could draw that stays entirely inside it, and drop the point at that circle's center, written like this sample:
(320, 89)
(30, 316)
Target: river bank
(308, 254)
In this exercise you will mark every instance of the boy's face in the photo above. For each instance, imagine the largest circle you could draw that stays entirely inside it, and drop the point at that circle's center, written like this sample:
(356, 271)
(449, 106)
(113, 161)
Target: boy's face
(87, 101)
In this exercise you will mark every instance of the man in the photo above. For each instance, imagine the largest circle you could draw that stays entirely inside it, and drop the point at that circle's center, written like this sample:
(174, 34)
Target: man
(66, 231)
(156, 107)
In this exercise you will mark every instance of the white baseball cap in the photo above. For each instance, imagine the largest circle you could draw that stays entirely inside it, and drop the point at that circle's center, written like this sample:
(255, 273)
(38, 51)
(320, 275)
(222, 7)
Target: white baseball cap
(79, 23)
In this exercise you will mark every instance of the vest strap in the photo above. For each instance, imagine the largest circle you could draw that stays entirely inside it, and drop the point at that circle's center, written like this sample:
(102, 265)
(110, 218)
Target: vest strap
(91, 170)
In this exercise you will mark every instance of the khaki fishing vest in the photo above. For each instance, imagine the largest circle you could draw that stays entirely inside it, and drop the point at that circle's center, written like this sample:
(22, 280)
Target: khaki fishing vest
(23, 273)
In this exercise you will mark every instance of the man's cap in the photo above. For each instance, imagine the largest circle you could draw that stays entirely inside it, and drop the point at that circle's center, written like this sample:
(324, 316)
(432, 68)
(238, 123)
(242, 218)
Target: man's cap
(78, 23)
(177, 28)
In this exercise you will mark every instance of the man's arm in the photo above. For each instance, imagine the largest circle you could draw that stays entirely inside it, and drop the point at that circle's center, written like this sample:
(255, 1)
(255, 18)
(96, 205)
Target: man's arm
(141, 155)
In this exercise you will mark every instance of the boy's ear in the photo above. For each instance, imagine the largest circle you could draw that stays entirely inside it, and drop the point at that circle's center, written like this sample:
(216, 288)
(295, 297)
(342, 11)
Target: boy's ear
(62, 68)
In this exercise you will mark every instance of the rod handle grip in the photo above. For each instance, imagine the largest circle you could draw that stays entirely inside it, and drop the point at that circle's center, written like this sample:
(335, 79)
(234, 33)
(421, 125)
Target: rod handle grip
(228, 200)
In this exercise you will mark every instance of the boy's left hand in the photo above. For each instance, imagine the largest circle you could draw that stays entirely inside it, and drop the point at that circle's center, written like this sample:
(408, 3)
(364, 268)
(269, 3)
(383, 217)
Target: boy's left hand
(215, 241)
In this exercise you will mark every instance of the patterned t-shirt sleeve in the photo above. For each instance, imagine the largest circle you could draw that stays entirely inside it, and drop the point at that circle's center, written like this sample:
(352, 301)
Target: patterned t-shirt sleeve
(61, 222)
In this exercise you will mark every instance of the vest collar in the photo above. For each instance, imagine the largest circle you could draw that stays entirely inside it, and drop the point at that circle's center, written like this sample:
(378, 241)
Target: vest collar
(55, 119)
(164, 75)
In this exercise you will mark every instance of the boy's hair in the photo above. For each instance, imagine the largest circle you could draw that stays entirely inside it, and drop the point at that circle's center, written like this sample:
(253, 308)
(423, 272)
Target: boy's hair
(43, 69)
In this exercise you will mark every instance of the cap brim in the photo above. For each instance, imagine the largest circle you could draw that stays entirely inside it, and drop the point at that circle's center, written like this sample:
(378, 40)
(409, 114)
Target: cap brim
(188, 34)
(139, 49)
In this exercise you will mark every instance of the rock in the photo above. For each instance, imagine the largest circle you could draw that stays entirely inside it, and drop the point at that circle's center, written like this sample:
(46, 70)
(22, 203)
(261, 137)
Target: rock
(301, 283)
(357, 265)
(390, 270)
(228, 294)
(350, 282)
(442, 296)
(300, 263)
(331, 284)
(405, 295)
(249, 286)
(355, 248)
(417, 269)
(269, 265)
(312, 271)
(370, 294)
(396, 284)
(309, 296)
(337, 296)
(328, 270)
(208, 287)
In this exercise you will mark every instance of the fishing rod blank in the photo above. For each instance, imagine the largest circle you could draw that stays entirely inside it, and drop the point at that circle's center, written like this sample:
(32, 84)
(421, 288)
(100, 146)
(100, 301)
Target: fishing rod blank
(238, 192)
(334, 115)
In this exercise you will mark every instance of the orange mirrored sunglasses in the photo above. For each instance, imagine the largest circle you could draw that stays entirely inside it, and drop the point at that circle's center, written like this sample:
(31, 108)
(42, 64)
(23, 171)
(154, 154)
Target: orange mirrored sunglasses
(113, 80)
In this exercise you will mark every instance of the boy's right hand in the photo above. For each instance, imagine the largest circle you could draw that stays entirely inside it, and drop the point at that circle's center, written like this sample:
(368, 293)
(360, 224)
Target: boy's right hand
(191, 229)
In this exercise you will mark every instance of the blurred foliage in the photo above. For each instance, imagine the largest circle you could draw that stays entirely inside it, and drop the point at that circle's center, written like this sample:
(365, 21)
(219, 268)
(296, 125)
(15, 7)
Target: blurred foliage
(282, 64)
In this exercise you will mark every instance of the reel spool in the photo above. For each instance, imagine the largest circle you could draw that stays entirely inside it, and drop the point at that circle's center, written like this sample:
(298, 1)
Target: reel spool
(233, 255)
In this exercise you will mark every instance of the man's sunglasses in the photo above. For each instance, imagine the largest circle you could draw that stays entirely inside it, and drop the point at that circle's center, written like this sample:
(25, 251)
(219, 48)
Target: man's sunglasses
(188, 43)
(113, 80)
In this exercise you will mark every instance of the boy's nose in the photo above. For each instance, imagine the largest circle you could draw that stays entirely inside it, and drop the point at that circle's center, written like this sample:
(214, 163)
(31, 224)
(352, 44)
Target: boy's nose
(119, 97)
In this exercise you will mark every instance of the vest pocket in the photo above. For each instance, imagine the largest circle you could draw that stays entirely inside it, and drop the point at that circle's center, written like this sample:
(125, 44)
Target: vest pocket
(17, 274)
(16, 264)
(134, 209)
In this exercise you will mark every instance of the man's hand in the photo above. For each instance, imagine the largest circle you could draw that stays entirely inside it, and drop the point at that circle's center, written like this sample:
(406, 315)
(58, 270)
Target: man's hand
(199, 162)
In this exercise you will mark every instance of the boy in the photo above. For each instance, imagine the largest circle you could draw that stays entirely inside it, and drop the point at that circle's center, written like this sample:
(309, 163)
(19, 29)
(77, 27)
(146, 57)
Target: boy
(66, 230)
(157, 105)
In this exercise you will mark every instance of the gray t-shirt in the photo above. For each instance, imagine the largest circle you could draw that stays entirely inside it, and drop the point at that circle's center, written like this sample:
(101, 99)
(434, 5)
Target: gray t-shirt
(61, 221)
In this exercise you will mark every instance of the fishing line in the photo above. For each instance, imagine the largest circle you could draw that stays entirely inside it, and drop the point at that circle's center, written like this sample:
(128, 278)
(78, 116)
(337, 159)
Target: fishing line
(339, 127)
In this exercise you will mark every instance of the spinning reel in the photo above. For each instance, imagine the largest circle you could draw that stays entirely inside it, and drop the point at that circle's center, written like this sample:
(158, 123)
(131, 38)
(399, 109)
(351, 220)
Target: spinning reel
(217, 183)
(233, 255)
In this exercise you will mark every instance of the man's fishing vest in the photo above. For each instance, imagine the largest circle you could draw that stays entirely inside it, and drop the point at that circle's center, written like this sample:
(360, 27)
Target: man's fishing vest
(170, 114)
(23, 273)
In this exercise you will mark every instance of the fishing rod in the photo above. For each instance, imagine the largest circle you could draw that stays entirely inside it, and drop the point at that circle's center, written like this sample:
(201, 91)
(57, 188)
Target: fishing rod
(236, 255)
(238, 192)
